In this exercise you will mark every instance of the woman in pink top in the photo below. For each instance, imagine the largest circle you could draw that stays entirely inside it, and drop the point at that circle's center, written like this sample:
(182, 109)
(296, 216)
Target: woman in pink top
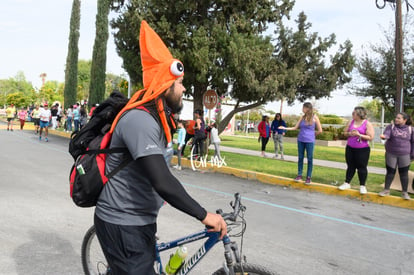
(22, 114)
(359, 131)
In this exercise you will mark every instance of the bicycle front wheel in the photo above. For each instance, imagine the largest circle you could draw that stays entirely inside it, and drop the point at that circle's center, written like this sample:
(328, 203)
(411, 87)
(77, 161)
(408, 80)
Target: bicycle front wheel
(247, 268)
(93, 259)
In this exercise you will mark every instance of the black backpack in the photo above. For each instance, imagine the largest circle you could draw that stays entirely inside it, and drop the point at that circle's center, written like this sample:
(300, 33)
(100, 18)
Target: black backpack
(89, 147)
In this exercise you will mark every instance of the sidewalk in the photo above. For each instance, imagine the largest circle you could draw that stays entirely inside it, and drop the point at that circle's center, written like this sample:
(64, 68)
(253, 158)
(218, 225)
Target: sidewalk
(325, 163)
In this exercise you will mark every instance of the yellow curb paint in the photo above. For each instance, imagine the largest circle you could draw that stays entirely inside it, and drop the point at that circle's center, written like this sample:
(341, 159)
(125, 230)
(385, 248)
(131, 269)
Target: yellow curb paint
(314, 187)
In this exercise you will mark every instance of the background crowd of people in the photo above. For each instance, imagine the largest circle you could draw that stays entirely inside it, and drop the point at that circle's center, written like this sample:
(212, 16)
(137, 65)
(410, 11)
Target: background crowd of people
(70, 119)
(399, 137)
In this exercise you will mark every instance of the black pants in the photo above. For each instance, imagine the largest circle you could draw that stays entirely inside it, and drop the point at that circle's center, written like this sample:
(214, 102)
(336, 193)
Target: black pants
(264, 143)
(128, 249)
(187, 138)
(198, 141)
(357, 159)
(389, 177)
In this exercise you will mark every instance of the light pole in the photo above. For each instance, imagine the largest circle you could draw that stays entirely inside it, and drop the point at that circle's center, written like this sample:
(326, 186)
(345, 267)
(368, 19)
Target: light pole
(129, 86)
(399, 102)
(399, 106)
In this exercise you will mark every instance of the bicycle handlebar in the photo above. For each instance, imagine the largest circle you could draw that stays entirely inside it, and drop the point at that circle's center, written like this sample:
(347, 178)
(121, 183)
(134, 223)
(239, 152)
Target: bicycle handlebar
(237, 207)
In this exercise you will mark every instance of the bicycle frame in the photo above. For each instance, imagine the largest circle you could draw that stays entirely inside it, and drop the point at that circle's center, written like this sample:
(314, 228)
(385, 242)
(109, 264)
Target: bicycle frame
(212, 239)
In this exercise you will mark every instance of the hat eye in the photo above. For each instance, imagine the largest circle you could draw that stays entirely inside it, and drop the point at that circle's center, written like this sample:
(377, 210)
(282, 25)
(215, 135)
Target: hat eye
(177, 68)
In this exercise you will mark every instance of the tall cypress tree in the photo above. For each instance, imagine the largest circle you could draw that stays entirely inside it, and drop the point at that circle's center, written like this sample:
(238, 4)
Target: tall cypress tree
(98, 69)
(71, 70)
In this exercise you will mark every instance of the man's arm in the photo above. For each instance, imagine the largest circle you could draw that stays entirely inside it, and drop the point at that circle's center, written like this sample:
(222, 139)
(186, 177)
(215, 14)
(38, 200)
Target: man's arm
(171, 190)
(168, 187)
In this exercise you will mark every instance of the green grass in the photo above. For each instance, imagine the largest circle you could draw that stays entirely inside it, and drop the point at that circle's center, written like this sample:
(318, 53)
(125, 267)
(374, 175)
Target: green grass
(289, 169)
(323, 175)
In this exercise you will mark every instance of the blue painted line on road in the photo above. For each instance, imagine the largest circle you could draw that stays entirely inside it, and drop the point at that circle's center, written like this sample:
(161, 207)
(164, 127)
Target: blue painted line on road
(304, 212)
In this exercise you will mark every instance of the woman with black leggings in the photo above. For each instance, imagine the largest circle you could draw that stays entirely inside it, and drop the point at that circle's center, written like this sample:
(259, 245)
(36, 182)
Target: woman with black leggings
(264, 131)
(359, 131)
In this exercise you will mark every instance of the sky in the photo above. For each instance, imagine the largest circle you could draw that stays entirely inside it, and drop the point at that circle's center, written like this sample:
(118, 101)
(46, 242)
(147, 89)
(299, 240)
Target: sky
(34, 37)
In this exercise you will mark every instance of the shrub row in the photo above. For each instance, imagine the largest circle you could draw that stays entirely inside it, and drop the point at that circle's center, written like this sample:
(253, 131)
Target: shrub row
(328, 133)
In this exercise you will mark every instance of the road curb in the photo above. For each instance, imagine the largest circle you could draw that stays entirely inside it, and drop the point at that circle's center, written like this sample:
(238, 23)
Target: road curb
(370, 197)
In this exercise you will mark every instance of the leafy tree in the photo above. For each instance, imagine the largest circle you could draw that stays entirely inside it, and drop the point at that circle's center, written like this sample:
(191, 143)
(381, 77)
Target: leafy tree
(16, 85)
(202, 34)
(50, 92)
(115, 82)
(378, 68)
(374, 109)
(98, 70)
(222, 48)
(301, 56)
(71, 70)
(84, 79)
(18, 99)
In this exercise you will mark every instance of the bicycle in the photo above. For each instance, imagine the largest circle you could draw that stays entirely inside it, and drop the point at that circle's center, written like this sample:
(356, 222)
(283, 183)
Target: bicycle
(93, 260)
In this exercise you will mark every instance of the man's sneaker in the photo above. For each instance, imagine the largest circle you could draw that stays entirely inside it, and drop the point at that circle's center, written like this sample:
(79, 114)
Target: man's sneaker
(298, 178)
(40, 138)
(308, 181)
(46, 140)
(179, 168)
(384, 193)
(275, 156)
(281, 157)
(405, 196)
(344, 186)
(362, 190)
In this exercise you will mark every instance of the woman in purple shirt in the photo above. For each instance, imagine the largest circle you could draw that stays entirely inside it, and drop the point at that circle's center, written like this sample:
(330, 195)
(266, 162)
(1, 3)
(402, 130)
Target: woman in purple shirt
(359, 132)
(309, 126)
(399, 151)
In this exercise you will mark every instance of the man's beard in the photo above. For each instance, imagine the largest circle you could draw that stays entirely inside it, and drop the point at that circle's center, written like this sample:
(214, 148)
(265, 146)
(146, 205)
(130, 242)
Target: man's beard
(174, 103)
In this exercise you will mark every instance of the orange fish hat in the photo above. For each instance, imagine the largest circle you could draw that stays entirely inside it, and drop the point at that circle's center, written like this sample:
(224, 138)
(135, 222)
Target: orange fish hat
(160, 70)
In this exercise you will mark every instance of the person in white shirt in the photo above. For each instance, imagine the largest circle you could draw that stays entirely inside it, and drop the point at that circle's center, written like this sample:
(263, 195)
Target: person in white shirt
(45, 116)
(215, 140)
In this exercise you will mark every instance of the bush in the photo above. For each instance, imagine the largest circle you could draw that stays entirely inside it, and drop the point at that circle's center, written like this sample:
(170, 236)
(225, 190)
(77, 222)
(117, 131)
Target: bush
(330, 119)
(340, 132)
(292, 133)
(325, 135)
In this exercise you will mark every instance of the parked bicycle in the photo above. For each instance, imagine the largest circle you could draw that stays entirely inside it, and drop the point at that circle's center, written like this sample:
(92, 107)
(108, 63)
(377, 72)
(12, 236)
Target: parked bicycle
(93, 259)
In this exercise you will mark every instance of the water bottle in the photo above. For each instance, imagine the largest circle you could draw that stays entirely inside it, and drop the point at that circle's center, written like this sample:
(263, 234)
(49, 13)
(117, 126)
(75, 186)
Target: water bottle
(176, 260)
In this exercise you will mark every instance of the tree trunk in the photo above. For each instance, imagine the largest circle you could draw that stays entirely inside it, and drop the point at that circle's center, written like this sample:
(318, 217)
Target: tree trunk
(225, 121)
(199, 90)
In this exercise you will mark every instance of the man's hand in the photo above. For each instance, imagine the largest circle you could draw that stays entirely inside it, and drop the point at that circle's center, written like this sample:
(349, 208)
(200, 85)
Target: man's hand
(217, 223)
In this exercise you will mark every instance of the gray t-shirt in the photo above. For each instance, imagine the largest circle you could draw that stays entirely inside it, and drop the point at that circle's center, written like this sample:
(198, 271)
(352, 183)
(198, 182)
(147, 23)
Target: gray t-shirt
(128, 198)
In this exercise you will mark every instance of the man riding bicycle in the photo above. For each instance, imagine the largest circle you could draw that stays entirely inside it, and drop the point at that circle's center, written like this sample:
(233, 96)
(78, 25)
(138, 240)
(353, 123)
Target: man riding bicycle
(127, 209)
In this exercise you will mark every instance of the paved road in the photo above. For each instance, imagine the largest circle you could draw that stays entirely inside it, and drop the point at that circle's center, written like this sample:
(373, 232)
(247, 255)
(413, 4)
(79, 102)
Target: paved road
(295, 232)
